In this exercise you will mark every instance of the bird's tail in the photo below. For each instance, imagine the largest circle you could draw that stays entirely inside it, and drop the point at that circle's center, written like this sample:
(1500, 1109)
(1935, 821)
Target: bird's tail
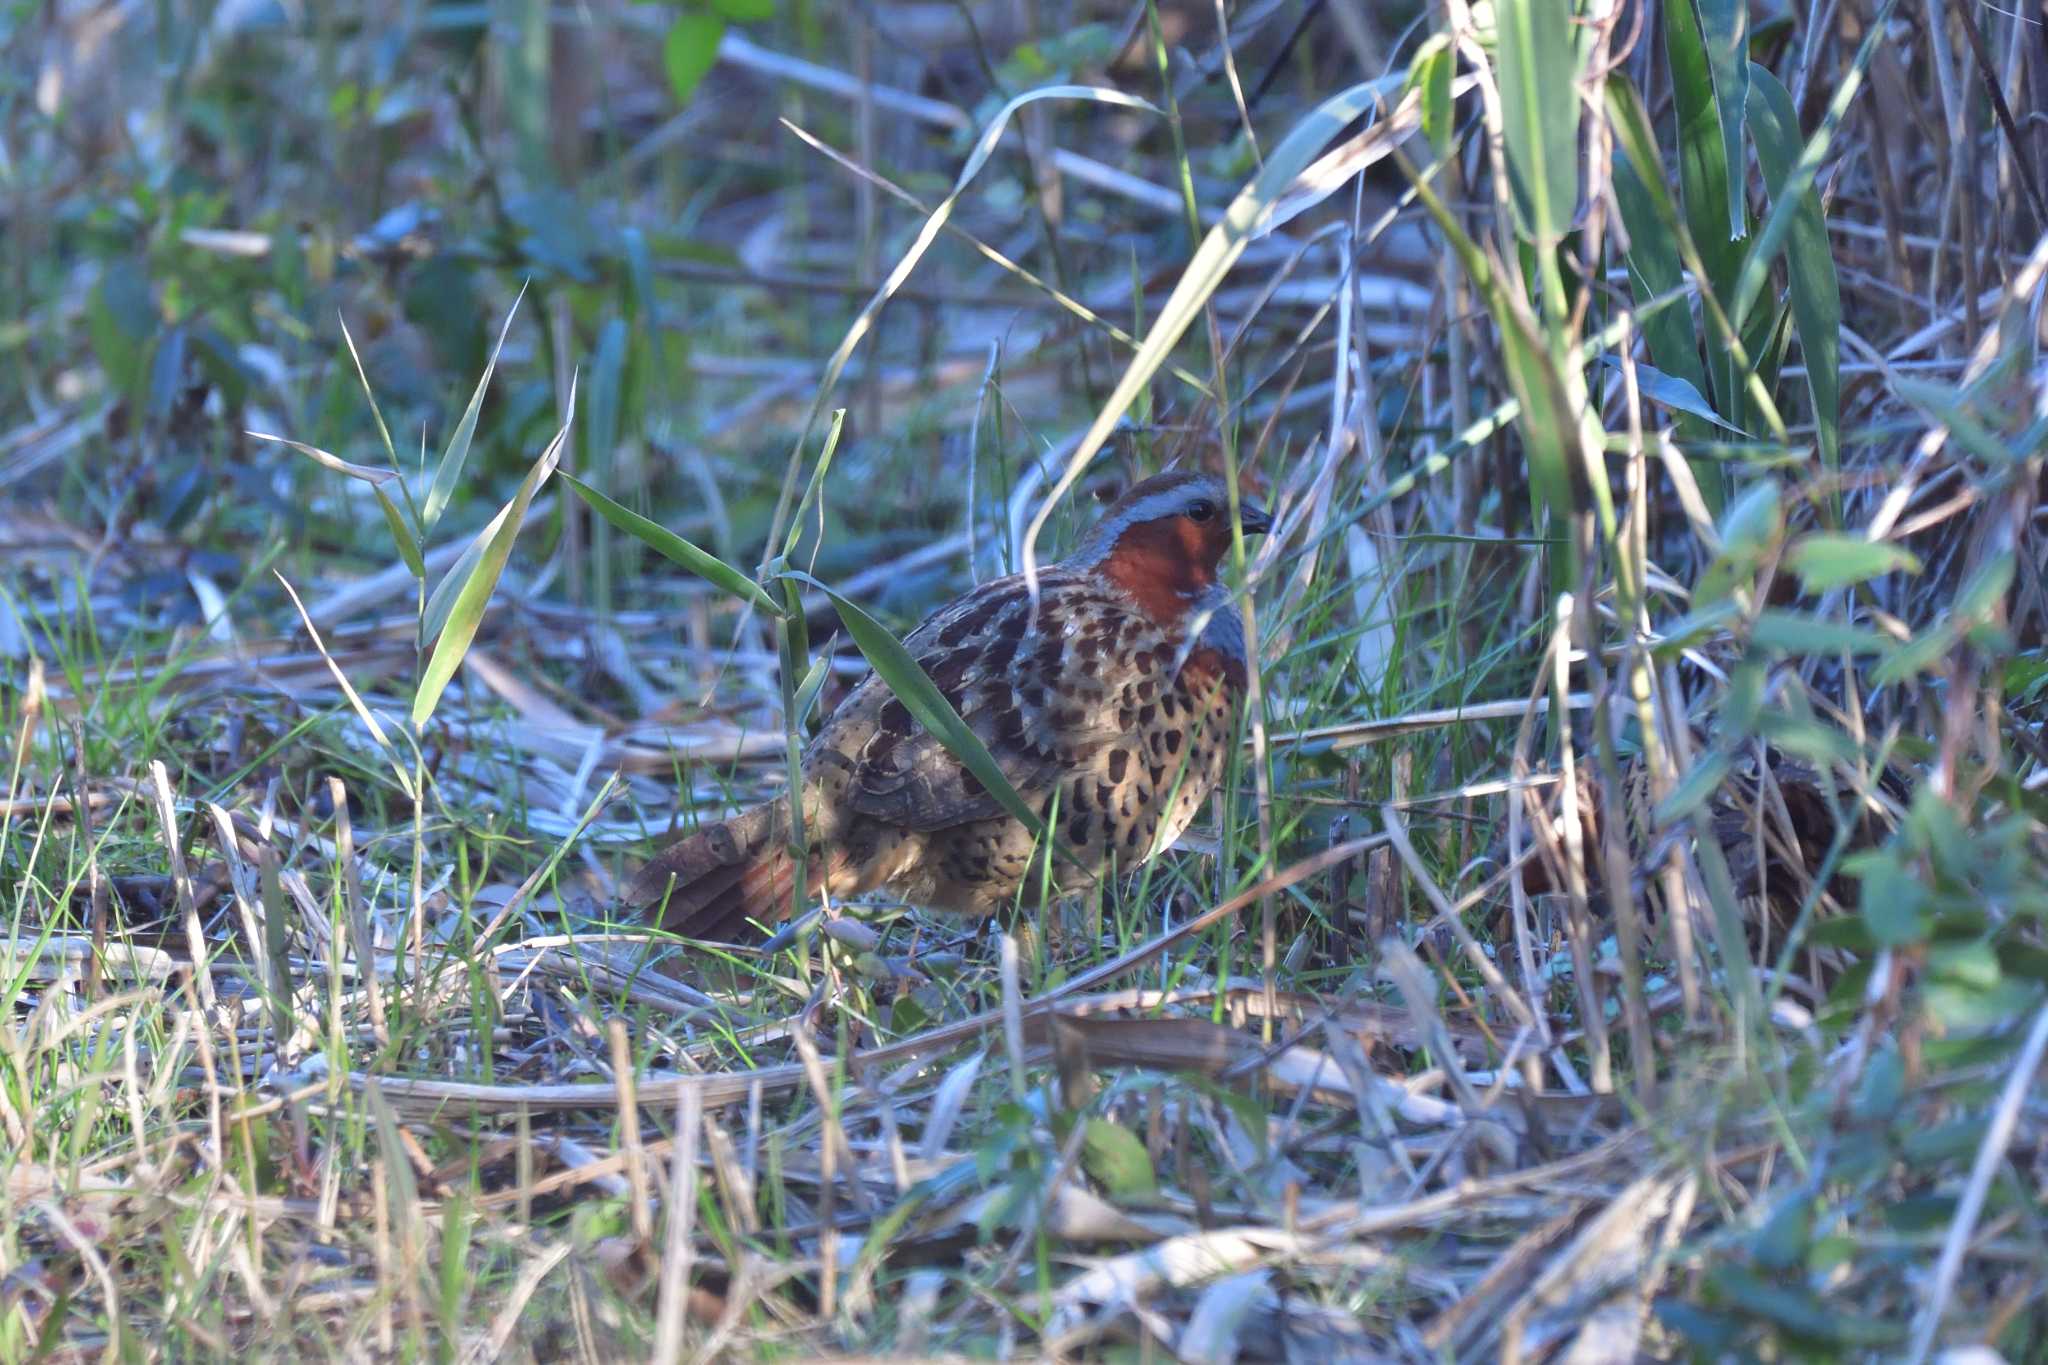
(712, 884)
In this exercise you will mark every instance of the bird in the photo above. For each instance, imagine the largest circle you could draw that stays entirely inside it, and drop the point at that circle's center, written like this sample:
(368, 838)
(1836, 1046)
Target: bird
(1106, 693)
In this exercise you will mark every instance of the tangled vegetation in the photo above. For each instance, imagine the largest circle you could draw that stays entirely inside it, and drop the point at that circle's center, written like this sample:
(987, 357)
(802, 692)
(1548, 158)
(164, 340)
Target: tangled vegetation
(448, 448)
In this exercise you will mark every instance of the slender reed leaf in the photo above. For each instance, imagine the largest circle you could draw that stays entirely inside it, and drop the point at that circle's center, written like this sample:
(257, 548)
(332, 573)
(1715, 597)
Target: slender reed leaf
(1792, 191)
(1809, 261)
(674, 548)
(456, 453)
(1550, 420)
(402, 537)
(1724, 29)
(1247, 216)
(1656, 268)
(1710, 207)
(864, 322)
(466, 609)
(1824, 561)
(1538, 67)
(1675, 392)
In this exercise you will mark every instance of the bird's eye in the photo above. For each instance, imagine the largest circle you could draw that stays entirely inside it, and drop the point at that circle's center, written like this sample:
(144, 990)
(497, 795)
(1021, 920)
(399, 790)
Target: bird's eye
(1201, 511)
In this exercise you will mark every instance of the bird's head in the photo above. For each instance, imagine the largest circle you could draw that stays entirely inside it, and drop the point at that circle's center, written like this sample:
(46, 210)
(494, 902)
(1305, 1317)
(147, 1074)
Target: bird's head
(1162, 541)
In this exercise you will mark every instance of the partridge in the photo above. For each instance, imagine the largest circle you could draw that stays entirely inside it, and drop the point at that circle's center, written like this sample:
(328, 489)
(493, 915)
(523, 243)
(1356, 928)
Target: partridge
(1108, 702)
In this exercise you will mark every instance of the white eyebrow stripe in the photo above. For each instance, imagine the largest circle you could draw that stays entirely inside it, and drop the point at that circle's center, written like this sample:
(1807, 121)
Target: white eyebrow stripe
(1170, 502)
(1166, 502)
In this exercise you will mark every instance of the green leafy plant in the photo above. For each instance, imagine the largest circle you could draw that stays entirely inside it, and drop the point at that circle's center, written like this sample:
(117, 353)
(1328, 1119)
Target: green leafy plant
(690, 48)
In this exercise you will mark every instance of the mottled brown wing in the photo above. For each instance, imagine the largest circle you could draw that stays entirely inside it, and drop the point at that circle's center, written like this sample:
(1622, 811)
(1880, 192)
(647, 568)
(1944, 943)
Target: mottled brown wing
(1035, 692)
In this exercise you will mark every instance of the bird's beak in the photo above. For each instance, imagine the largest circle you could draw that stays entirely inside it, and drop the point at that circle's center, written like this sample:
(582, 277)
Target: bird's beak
(1252, 519)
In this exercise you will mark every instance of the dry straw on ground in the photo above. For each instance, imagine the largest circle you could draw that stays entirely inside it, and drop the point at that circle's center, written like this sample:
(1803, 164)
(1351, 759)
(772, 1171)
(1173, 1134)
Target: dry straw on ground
(1505, 1008)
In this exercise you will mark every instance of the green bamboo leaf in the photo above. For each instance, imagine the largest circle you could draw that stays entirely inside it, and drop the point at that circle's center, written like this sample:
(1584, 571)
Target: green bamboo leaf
(121, 317)
(1724, 25)
(1809, 263)
(1828, 560)
(1788, 1303)
(1748, 528)
(690, 51)
(1952, 409)
(401, 535)
(456, 453)
(816, 487)
(1971, 607)
(1913, 657)
(1430, 73)
(674, 548)
(1703, 179)
(1117, 1159)
(1986, 586)
(1538, 67)
(466, 608)
(363, 378)
(1807, 738)
(1792, 193)
(1695, 626)
(1752, 521)
(1801, 635)
(912, 686)
(1674, 391)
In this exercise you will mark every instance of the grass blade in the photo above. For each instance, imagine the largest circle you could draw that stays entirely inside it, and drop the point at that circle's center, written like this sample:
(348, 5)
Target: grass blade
(1656, 264)
(1703, 180)
(1724, 29)
(1247, 216)
(456, 453)
(465, 611)
(1539, 107)
(355, 701)
(1785, 207)
(816, 487)
(363, 378)
(673, 547)
(1551, 422)
(1809, 262)
(369, 474)
(442, 599)
(864, 322)
(401, 534)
